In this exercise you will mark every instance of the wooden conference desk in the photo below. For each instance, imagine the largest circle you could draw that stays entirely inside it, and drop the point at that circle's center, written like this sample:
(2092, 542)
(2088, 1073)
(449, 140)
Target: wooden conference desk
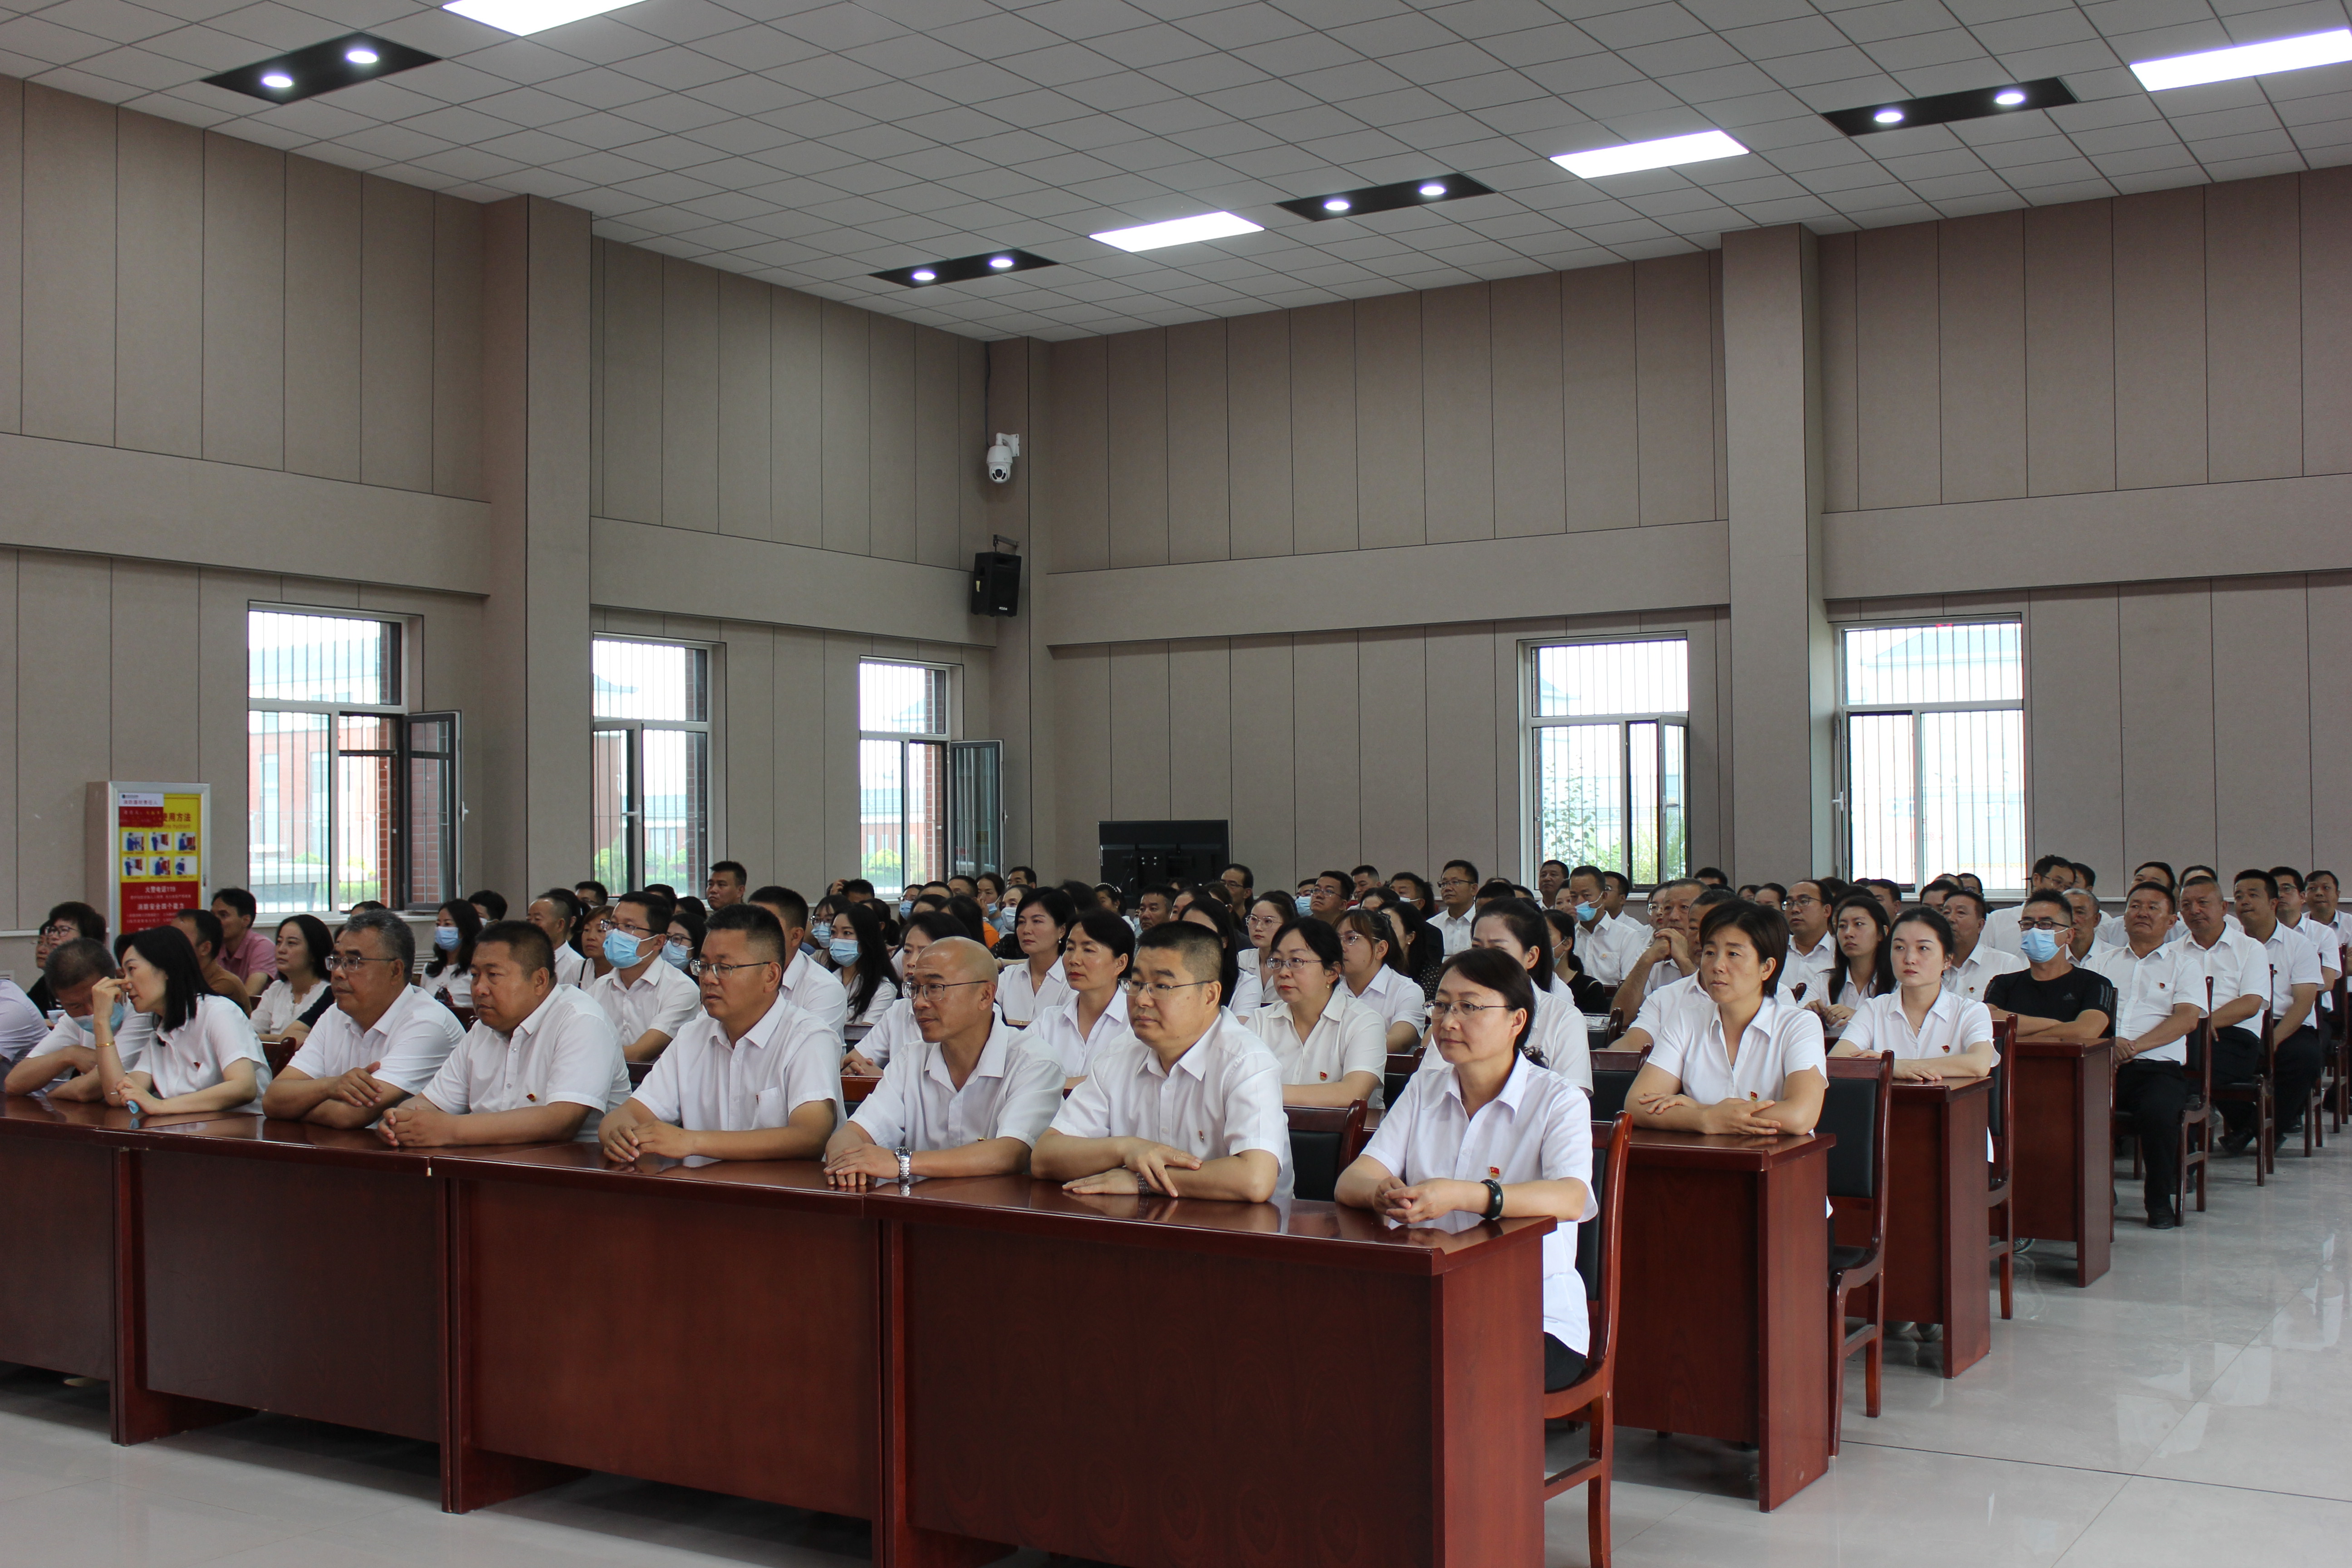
(2064, 1160)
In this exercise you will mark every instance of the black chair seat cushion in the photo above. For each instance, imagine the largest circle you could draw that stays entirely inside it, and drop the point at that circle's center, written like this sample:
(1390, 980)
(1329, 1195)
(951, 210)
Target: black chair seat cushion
(1845, 1259)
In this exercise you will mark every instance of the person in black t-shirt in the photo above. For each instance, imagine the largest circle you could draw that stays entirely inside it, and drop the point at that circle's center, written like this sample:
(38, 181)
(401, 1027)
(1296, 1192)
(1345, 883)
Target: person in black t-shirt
(2051, 999)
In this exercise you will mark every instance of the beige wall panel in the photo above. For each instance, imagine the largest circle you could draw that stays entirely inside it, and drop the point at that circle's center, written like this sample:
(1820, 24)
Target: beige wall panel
(1707, 760)
(1981, 275)
(1898, 411)
(1601, 398)
(1841, 462)
(596, 331)
(1458, 413)
(1083, 757)
(11, 254)
(1136, 448)
(743, 411)
(632, 454)
(1200, 730)
(244, 302)
(1200, 507)
(159, 299)
(2262, 718)
(397, 342)
(748, 831)
(1530, 454)
(2070, 348)
(1718, 379)
(1673, 346)
(689, 395)
(16, 917)
(154, 664)
(1323, 427)
(1264, 745)
(890, 438)
(848, 428)
(1139, 764)
(840, 816)
(63, 605)
(458, 348)
(2074, 745)
(1391, 502)
(2159, 249)
(323, 304)
(2254, 328)
(2330, 601)
(2327, 282)
(1257, 400)
(806, 756)
(2166, 664)
(939, 443)
(1329, 692)
(964, 451)
(1464, 728)
(68, 343)
(222, 599)
(1077, 477)
(796, 396)
(1391, 766)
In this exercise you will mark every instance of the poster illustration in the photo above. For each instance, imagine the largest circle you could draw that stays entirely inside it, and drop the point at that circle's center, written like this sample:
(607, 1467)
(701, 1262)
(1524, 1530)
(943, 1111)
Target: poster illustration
(157, 853)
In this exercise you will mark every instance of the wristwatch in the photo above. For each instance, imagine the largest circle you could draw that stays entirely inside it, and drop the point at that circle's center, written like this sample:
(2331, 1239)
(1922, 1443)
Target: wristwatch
(1494, 1199)
(906, 1164)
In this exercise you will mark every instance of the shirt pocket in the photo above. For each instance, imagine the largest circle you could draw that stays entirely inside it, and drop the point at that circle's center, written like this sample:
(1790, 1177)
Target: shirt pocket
(768, 1109)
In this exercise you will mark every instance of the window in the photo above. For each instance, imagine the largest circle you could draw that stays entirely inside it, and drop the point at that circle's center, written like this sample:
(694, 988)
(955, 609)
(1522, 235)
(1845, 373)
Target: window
(650, 754)
(1607, 748)
(1931, 728)
(902, 766)
(350, 795)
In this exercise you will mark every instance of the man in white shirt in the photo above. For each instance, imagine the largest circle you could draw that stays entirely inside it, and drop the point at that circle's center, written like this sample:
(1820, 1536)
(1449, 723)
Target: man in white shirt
(70, 1049)
(1550, 878)
(649, 1000)
(1975, 962)
(1193, 1109)
(2294, 912)
(2234, 972)
(2159, 1001)
(1605, 944)
(2083, 938)
(724, 888)
(382, 1041)
(808, 984)
(970, 1098)
(556, 912)
(2052, 874)
(1458, 890)
(539, 1063)
(2298, 1057)
(1666, 956)
(2321, 894)
(1812, 948)
(1332, 893)
(750, 1075)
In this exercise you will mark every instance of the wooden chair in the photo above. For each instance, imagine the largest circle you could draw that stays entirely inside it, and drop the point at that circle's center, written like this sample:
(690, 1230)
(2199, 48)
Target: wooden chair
(1324, 1140)
(2339, 1057)
(1855, 1112)
(1593, 1397)
(2261, 1093)
(1618, 1023)
(638, 1072)
(2001, 1211)
(1613, 1081)
(1401, 1066)
(2196, 1132)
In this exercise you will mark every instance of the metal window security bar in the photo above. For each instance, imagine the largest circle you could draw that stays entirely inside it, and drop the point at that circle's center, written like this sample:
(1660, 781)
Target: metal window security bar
(1607, 751)
(1931, 738)
(649, 756)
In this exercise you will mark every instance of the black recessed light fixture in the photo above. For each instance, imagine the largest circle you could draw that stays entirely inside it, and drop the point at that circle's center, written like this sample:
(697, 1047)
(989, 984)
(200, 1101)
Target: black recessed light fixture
(987, 264)
(1943, 107)
(1421, 192)
(321, 68)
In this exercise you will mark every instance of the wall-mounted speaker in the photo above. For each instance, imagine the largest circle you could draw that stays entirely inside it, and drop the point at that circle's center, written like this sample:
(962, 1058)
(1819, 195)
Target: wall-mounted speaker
(995, 584)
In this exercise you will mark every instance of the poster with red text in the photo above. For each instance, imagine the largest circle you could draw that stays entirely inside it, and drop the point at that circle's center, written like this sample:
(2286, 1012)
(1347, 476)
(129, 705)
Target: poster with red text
(157, 848)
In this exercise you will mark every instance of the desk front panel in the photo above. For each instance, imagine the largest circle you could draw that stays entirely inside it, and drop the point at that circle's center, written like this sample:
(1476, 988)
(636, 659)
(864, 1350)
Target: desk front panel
(56, 1255)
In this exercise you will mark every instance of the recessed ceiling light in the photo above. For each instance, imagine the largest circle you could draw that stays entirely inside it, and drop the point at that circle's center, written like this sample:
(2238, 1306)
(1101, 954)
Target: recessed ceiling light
(1374, 199)
(526, 17)
(1664, 153)
(1889, 116)
(1943, 107)
(1000, 262)
(1435, 188)
(321, 68)
(360, 55)
(922, 275)
(278, 80)
(963, 268)
(1335, 204)
(1179, 231)
(2010, 97)
(2246, 59)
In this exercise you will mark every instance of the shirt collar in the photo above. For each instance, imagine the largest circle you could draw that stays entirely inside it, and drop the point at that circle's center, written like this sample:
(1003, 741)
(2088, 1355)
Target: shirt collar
(1515, 1088)
(762, 1033)
(1194, 1061)
(1828, 943)
(530, 1027)
(991, 1063)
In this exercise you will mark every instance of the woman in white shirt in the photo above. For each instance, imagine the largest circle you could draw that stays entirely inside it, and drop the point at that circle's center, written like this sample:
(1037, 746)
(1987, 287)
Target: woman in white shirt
(1489, 1136)
(1515, 928)
(1024, 991)
(1935, 1034)
(1268, 912)
(1368, 963)
(203, 1054)
(857, 949)
(449, 975)
(303, 943)
(1749, 1064)
(1093, 1019)
(1866, 964)
(1333, 1048)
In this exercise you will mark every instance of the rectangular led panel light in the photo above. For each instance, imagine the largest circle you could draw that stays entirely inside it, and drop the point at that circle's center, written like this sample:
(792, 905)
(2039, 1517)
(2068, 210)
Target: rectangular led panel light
(1942, 109)
(987, 264)
(2246, 59)
(321, 68)
(1179, 231)
(1419, 193)
(1634, 156)
(527, 16)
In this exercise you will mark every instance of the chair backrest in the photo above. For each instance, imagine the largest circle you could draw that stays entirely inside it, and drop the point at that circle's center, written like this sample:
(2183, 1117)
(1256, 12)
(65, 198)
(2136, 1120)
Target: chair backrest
(1998, 1111)
(1610, 1088)
(638, 1072)
(1401, 1066)
(1617, 1025)
(1854, 1111)
(1323, 1140)
(1600, 1239)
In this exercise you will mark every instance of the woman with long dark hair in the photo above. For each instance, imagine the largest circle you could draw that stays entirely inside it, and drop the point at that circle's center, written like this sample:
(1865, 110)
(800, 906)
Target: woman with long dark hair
(857, 949)
(450, 972)
(1866, 964)
(1517, 928)
(203, 1056)
(1935, 1034)
(1370, 965)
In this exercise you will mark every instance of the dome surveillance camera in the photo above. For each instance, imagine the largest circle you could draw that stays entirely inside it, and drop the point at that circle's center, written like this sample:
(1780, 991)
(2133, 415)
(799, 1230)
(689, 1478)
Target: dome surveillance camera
(1000, 459)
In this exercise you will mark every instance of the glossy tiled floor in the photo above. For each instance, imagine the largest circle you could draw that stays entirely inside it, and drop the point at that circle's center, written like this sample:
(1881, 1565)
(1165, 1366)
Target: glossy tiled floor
(2191, 1408)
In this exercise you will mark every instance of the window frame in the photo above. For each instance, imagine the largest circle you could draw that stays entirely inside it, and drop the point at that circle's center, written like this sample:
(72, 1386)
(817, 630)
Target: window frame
(1531, 725)
(634, 854)
(1842, 712)
(943, 740)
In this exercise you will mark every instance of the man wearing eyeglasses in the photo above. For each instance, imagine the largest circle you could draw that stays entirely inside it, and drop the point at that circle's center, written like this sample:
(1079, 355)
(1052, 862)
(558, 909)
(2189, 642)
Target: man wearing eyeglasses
(1812, 951)
(2051, 999)
(67, 923)
(382, 1041)
(753, 1078)
(1191, 1107)
(1458, 890)
(969, 1099)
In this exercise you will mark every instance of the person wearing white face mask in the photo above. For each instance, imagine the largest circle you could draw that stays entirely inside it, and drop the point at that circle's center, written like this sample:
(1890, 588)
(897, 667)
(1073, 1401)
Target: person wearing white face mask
(450, 972)
(859, 953)
(647, 1000)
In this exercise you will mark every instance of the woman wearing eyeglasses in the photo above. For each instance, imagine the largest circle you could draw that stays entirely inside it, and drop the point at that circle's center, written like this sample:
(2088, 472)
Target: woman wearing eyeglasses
(1514, 928)
(1332, 1048)
(1370, 963)
(1094, 1018)
(1489, 1135)
(1746, 1061)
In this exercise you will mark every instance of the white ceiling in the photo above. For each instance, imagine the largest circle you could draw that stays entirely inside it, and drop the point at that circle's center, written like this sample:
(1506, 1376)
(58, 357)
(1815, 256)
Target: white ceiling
(810, 143)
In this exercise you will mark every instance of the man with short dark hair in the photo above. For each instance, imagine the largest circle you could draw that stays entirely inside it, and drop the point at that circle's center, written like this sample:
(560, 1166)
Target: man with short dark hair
(1239, 879)
(382, 1041)
(1367, 878)
(2294, 912)
(70, 1048)
(244, 952)
(1974, 962)
(647, 999)
(202, 929)
(1710, 877)
(556, 912)
(1616, 889)
(65, 922)
(1935, 892)
(1329, 897)
(2298, 1056)
(724, 887)
(857, 890)
(2051, 999)
(1808, 971)
(1605, 946)
(1667, 956)
(1550, 878)
(593, 895)
(2051, 874)
(2236, 970)
(1021, 876)
(2159, 1000)
(1153, 905)
(1457, 893)
(2322, 894)
(808, 984)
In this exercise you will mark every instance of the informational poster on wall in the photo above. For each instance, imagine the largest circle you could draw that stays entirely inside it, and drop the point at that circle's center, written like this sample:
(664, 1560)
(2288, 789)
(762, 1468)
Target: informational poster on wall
(148, 845)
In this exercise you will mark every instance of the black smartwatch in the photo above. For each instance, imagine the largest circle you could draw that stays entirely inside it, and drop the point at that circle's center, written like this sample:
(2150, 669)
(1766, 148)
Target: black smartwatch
(1493, 1198)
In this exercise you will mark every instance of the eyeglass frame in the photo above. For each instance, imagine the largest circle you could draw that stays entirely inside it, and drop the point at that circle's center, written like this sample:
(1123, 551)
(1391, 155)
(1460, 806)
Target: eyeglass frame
(334, 961)
(928, 989)
(1136, 985)
(1440, 1011)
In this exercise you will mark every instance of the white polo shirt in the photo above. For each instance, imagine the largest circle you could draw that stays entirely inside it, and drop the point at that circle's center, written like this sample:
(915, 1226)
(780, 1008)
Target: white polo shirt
(1559, 1032)
(138, 1028)
(2294, 962)
(893, 1029)
(1779, 1040)
(1454, 929)
(661, 998)
(2325, 941)
(2112, 933)
(2001, 930)
(885, 995)
(564, 1053)
(1953, 1025)
(704, 1083)
(454, 984)
(1056, 1034)
(1679, 996)
(1011, 1092)
(412, 1040)
(1348, 1037)
(1663, 973)
(1396, 997)
(1249, 996)
(1811, 967)
(196, 1055)
(1223, 1096)
(2236, 965)
(1539, 1128)
(1608, 949)
(2148, 990)
(279, 1008)
(572, 966)
(814, 988)
(1969, 977)
(1020, 1001)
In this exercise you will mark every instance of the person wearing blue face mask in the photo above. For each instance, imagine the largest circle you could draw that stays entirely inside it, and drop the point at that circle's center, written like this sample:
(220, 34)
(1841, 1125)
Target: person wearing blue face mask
(1605, 947)
(2051, 999)
(861, 955)
(450, 972)
(70, 1049)
(687, 924)
(649, 1001)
